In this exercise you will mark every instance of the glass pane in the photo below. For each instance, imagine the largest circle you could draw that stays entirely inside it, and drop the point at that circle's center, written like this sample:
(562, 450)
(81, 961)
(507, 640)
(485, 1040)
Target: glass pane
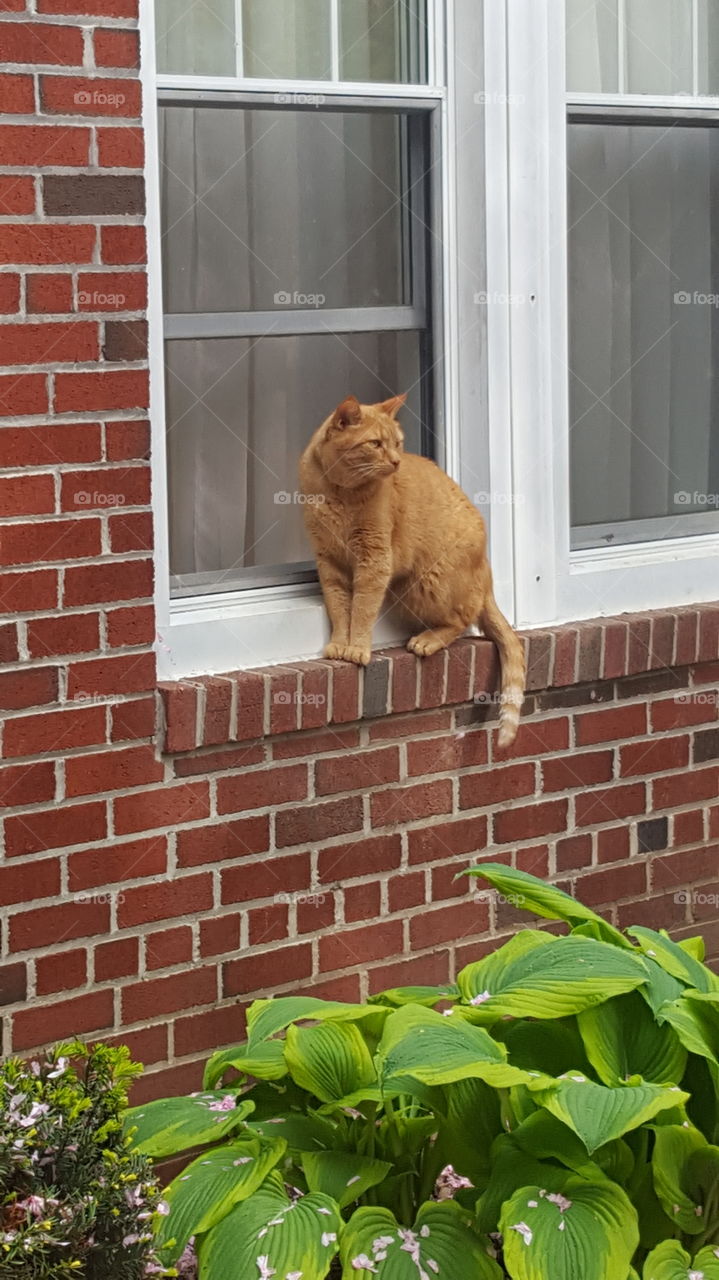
(383, 40)
(708, 46)
(659, 46)
(239, 414)
(196, 39)
(644, 322)
(592, 46)
(287, 39)
(265, 209)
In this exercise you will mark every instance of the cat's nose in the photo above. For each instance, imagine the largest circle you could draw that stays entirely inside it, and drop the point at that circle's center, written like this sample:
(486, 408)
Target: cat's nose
(394, 459)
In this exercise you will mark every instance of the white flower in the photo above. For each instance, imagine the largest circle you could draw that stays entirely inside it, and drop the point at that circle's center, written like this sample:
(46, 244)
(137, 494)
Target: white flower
(525, 1232)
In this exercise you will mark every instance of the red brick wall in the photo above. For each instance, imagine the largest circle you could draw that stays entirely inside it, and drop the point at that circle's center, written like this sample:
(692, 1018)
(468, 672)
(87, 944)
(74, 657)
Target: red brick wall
(293, 828)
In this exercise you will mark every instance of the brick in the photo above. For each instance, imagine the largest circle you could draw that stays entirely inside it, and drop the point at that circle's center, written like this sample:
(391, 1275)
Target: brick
(682, 710)
(84, 96)
(9, 291)
(13, 984)
(146, 1046)
(314, 912)
(654, 757)
(403, 680)
(613, 844)
(49, 926)
(410, 726)
(266, 879)
(23, 592)
(315, 694)
(117, 959)
(537, 737)
(207, 1030)
(40, 44)
(446, 754)
(131, 860)
(706, 746)
(27, 495)
(353, 947)
(648, 682)
(49, 540)
(131, 531)
(22, 393)
(131, 627)
(494, 786)
(67, 634)
(93, 195)
(87, 392)
(661, 912)
(125, 340)
(219, 761)
(55, 828)
(268, 924)
(41, 445)
(15, 881)
(61, 972)
(363, 901)
(448, 838)
(615, 651)
(408, 804)
(145, 1000)
(573, 853)
(116, 48)
(9, 651)
(565, 657)
(104, 8)
(115, 770)
(123, 245)
(419, 970)
(250, 705)
(403, 891)
(46, 245)
(17, 195)
(64, 343)
(579, 770)
(17, 94)
(132, 673)
(115, 487)
(133, 719)
(48, 1023)
(59, 731)
(607, 886)
(180, 700)
(172, 1081)
(262, 788)
(688, 828)
(150, 902)
(375, 688)
(589, 651)
(27, 688)
(432, 680)
(50, 294)
(112, 291)
(448, 924)
(217, 714)
(685, 788)
(316, 822)
(345, 692)
(283, 966)
(283, 698)
(37, 146)
(168, 947)
(148, 810)
(652, 835)
(459, 671)
(708, 647)
(609, 804)
(444, 882)
(529, 821)
(611, 725)
(358, 771)
(314, 744)
(662, 647)
(223, 842)
(220, 935)
(27, 784)
(363, 856)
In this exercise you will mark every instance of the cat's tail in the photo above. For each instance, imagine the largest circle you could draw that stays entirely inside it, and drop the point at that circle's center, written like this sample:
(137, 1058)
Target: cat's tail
(511, 653)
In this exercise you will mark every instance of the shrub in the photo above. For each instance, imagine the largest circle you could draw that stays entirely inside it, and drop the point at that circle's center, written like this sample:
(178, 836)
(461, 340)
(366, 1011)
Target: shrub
(555, 1120)
(75, 1199)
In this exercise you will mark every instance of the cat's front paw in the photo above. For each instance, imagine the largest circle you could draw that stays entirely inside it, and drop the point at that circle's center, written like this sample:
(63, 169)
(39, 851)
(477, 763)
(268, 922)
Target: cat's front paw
(349, 653)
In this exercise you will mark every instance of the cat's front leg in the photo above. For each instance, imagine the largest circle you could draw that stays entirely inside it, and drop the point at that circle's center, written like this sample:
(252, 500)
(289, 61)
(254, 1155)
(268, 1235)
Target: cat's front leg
(337, 593)
(368, 592)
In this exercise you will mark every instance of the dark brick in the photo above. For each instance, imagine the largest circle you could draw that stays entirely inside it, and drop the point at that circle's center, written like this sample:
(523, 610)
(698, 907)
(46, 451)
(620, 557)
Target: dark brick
(653, 834)
(577, 695)
(706, 745)
(125, 340)
(93, 194)
(650, 682)
(13, 984)
(376, 688)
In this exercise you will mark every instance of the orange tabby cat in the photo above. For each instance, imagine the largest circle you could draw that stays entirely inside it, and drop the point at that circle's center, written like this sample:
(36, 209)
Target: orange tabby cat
(388, 525)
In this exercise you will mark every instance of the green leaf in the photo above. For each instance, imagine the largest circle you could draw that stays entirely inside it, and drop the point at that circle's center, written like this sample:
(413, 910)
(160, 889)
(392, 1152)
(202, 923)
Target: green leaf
(269, 1235)
(622, 1039)
(551, 980)
(300, 1132)
(551, 1047)
(265, 1061)
(266, 1017)
(331, 1061)
(696, 1024)
(670, 1262)
(467, 1117)
(675, 959)
(441, 1243)
(209, 1187)
(598, 1114)
(429, 996)
(694, 947)
(343, 1175)
(170, 1125)
(686, 1177)
(532, 894)
(545, 1137)
(661, 988)
(584, 1231)
(513, 1167)
(422, 1045)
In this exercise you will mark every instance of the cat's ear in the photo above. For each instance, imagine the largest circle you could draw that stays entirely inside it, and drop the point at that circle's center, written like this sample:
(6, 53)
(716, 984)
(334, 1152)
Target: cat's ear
(393, 406)
(347, 414)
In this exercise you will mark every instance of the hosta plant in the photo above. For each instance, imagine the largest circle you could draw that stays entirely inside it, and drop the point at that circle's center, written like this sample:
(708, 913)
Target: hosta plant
(552, 1116)
(75, 1199)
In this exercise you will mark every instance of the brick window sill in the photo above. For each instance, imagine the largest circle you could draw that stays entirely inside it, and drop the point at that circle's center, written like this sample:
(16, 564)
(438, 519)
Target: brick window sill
(239, 706)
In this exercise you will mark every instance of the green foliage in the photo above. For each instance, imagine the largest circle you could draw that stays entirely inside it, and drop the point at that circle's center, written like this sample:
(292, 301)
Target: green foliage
(553, 1115)
(75, 1198)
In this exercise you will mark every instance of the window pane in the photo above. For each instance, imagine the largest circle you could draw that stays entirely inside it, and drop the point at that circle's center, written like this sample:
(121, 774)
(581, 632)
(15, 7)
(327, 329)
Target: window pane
(659, 46)
(239, 414)
(196, 39)
(644, 322)
(383, 40)
(592, 46)
(287, 39)
(262, 206)
(708, 46)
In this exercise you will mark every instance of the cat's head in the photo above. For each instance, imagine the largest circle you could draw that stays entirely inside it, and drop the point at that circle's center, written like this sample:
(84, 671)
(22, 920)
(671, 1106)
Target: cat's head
(360, 443)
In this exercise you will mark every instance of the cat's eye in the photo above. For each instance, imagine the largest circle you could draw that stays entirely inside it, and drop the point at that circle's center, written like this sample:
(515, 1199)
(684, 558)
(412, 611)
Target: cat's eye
(376, 443)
